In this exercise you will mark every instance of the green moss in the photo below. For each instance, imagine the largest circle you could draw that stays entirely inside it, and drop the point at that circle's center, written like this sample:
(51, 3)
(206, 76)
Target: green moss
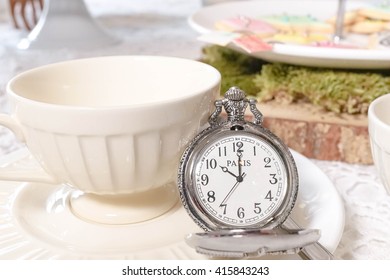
(236, 69)
(341, 91)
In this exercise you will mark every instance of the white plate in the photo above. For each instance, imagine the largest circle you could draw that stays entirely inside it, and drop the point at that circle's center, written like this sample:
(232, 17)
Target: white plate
(36, 222)
(204, 20)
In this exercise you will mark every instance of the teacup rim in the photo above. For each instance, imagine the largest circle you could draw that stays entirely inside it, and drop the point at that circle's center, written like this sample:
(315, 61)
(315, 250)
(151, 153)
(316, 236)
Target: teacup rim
(10, 92)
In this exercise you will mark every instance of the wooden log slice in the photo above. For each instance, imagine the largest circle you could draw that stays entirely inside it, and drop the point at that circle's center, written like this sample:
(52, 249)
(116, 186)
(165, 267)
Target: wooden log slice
(318, 134)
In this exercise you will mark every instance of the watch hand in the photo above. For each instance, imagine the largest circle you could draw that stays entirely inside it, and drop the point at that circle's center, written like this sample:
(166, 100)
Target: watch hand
(239, 178)
(224, 169)
(231, 191)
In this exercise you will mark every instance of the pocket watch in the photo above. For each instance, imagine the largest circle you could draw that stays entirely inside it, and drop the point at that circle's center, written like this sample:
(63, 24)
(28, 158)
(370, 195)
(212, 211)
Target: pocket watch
(239, 182)
(237, 174)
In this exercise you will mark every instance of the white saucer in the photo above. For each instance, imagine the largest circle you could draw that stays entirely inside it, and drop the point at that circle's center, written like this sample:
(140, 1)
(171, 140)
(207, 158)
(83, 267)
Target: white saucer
(37, 223)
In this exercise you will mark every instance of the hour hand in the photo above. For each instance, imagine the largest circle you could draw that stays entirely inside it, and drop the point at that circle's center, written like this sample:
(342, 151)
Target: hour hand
(226, 170)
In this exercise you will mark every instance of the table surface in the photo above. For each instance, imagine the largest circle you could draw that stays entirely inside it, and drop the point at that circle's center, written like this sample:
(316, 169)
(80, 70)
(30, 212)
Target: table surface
(159, 27)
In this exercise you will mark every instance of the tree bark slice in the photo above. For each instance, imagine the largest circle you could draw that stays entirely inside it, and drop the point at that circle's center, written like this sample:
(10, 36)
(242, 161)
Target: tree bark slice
(318, 134)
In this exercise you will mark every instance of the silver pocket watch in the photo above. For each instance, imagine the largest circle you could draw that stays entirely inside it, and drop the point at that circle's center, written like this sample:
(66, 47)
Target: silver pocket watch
(239, 182)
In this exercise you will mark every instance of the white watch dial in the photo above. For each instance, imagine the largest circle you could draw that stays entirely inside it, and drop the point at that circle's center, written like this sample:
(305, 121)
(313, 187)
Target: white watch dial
(240, 180)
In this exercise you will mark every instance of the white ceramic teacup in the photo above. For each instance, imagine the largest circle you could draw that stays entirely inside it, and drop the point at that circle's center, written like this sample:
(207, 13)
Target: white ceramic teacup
(379, 131)
(111, 125)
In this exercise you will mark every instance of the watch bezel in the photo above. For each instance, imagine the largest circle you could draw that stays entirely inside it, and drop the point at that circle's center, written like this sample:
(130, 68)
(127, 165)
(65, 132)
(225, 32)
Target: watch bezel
(187, 186)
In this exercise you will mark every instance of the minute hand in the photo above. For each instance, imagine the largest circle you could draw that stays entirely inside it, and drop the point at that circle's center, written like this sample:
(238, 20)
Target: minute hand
(240, 177)
(232, 190)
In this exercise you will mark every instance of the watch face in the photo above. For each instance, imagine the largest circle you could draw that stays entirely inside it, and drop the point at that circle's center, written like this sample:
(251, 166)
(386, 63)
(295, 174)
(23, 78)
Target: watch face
(239, 180)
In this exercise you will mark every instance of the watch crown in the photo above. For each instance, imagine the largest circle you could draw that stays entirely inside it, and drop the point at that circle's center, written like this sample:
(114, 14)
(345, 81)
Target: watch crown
(235, 104)
(235, 94)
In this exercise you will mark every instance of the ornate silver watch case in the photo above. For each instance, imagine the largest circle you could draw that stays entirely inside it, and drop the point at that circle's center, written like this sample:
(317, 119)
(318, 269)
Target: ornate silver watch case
(276, 233)
(235, 104)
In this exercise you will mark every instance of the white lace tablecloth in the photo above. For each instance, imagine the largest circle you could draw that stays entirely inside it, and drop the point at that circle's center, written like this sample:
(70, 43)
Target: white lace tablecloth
(159, 27)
